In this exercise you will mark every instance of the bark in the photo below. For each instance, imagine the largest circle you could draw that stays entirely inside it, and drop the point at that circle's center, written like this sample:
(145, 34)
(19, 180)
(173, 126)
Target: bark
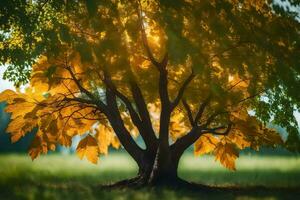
(122, 133)
(164, 170)
(158, 169)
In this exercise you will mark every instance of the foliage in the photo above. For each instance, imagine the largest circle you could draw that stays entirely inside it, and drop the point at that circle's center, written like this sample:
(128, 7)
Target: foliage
(188, 71)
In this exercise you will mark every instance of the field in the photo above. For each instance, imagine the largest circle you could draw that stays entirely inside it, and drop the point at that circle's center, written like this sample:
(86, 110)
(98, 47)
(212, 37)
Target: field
(66, 177)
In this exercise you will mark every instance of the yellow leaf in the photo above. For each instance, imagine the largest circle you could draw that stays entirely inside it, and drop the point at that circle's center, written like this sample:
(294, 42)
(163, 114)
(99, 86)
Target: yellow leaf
(88, 148)
(115, 142)
(226, 154)
(52, 128)
(205, 144)
(106, 137)
(39, 81)
(239, 139)
(177, 126)
(39, 145)
(35, 148)
(7, 95)
(253, 133)
(18, 127)
(272, 137)
(19, 109)
(65, 140)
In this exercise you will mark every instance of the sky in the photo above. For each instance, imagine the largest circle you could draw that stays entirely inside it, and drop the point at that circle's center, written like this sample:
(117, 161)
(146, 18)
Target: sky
(4, 84)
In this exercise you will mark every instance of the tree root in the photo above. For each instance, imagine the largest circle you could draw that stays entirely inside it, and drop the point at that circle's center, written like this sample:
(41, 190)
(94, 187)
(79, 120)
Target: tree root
(140, 182)
(127, 183)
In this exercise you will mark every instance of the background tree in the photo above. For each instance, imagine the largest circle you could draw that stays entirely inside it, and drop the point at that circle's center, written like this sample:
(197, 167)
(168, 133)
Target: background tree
(177, 73)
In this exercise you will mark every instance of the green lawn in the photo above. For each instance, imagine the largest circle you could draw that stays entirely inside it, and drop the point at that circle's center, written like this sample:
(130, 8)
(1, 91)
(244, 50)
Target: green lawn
(67, 177)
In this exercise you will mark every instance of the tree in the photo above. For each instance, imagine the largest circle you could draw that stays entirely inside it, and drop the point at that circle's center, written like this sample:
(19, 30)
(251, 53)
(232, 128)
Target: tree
(176, 73)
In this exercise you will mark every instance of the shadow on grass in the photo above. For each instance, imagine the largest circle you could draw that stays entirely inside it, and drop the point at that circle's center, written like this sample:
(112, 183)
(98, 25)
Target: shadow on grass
(58, 177)
(244, 178)
(80, 191)
(86, 186)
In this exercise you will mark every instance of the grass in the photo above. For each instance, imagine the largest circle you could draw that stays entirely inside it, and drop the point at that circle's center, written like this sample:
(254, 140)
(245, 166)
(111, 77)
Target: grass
(66, 177)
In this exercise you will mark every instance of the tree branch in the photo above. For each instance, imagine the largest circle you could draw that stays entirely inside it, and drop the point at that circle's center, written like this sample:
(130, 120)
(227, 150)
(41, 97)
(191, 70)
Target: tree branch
(215, 130)
(189, 112)
(251, 96)
(163, 84)
(181, 90)
(77, 82)
(201, 109)
(145, 132)
(185, 141)
(143, 112)
(122, 133)
(78, 99)
(113, 115)
(97, 102)
(144, 37)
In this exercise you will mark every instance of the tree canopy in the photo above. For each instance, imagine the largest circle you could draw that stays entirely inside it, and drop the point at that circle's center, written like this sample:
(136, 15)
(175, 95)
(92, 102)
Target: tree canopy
(175, 72)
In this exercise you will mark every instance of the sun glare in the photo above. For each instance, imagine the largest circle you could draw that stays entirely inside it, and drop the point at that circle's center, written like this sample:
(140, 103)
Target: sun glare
(230, 78)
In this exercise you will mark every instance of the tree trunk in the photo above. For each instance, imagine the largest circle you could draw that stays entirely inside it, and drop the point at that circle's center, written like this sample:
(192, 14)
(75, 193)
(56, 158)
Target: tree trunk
(164, 168)
(158, 169)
